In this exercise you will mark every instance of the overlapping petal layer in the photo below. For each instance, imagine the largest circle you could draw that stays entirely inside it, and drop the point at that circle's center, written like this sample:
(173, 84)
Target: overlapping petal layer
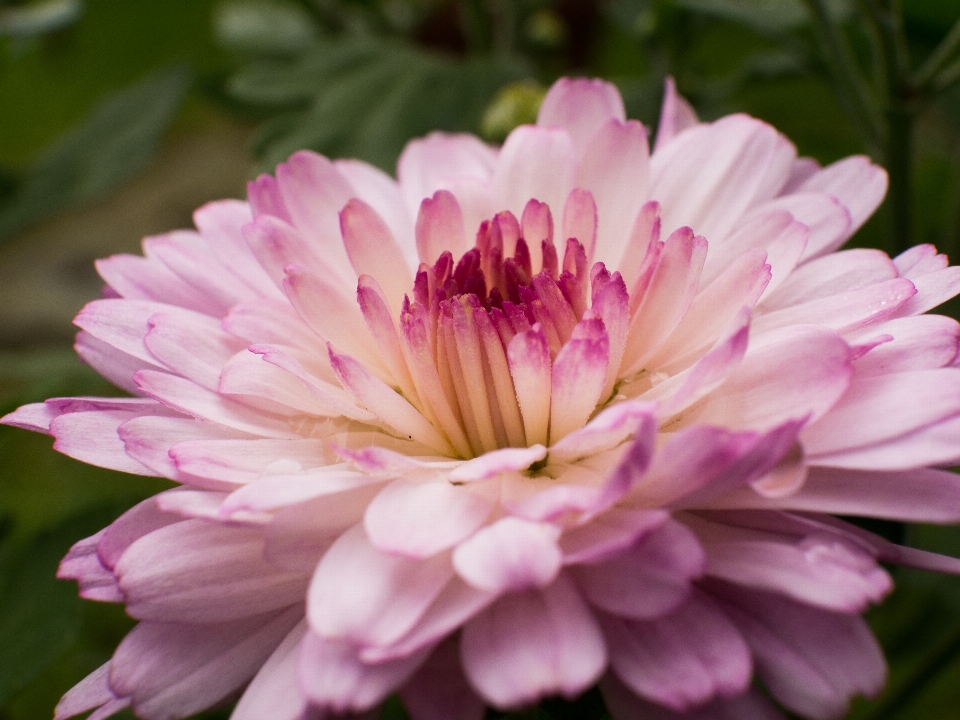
(523, 420)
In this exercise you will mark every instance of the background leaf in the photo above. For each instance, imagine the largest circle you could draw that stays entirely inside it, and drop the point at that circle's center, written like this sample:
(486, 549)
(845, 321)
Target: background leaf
(118, 139)
(365, 97)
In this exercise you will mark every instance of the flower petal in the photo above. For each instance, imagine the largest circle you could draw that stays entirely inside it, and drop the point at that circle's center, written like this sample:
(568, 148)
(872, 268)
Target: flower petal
(362, 595)
(509, 556)
(532, 644)
(647, 581)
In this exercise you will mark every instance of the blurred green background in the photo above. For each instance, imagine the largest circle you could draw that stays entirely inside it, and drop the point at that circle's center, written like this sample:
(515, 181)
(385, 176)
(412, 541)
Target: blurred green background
(119, 117)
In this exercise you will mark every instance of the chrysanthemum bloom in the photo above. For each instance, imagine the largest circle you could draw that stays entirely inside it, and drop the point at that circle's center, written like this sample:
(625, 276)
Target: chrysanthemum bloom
(522, 421)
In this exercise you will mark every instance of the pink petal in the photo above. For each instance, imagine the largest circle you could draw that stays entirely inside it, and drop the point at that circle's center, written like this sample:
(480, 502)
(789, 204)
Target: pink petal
(923, 495)
(383, 194)
(782, 237)
(244, 460)
(682, 660)
(825, 216)
(191, 345)
(710, 175)
(676, 114)
(420, 519)
(933, 289)
(672, 286)
(173, 670)
(221, 225)
(91, 437)
(848, 310)
(250, 378)
(195, 571)
(453, 607)
(369, 597)
(578, 377)
(624, 705)
(188, 398)
(300, 534)
(831, 275)
(801, 375)
(440, 228)
(334, 316)
(533, 644)
(35, 416)
(438, 160)
(91, 692)
(83, 564)
(715, 310)
(581, 107)
(314, 192)
(333, 399)
(149, 439)
(274, 691)
(385, 403)
(439, 690)
(686, 388)
(137, 278)
(509, 556)
(140, 520)
(494, 463)
(821, 571)
(935, 444)
(580, 219)
(612, 426)
(863, 416)
(535, 162)
(919, 343)
(530, 368)
(277, 245)
(856, 182)
(811, 660)
(374, 251)
(331, 675)
(700, 462)
(608, 534)
(280, 488)
(122, 324)
(115, 366)
(188, 256)
(650, 579)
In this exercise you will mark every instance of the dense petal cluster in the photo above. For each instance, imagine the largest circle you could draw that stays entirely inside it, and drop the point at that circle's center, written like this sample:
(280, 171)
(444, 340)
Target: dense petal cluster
(521, 421)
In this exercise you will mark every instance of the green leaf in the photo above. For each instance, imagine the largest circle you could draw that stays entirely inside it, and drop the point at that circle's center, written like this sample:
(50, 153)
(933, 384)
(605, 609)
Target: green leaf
(366, 97)
(264, 26)
(39, 18)
(39, 614)
(770, 16)
(115, 141)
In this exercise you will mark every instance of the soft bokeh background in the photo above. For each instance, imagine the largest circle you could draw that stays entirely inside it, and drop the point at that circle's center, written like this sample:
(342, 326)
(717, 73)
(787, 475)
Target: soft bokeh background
(119, 117)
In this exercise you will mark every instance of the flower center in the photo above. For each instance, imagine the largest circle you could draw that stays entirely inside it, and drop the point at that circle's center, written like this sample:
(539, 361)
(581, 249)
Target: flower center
(495, 355)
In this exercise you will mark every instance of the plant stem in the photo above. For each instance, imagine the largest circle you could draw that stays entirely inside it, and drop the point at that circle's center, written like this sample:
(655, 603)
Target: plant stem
(901, 112)
(899, 167)
(854, 88)
(919, 678)
(944, 52)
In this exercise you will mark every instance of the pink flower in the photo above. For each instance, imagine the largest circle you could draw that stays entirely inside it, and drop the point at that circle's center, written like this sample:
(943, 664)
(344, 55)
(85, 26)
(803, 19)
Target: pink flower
(592, 445)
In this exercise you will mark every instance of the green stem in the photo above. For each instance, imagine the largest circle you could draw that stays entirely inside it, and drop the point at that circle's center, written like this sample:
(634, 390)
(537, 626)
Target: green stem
(901, 112)
(944, 52)
(919, 679)
(477, 25)
(854, 88)
(900, 195)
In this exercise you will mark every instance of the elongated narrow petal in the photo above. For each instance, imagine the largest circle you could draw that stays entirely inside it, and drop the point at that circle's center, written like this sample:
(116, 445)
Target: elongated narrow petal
(531, 370)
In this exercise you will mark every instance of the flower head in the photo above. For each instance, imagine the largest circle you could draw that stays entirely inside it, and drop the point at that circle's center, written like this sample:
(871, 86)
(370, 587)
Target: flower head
(521, 421)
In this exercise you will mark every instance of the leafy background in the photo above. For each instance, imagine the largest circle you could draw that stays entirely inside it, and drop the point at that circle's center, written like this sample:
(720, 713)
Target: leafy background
(117, 118)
